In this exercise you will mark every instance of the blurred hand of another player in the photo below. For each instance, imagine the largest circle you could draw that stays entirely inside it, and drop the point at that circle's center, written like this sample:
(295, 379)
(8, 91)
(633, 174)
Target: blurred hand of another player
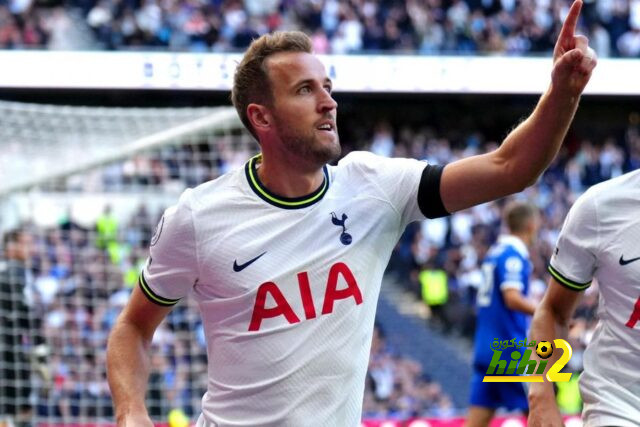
(543, 410)
(550, 418)
(573, 59)
(135, 420)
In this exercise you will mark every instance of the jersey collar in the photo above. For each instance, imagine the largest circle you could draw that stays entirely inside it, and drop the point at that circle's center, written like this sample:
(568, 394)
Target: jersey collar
(279, 201)
(516, 242)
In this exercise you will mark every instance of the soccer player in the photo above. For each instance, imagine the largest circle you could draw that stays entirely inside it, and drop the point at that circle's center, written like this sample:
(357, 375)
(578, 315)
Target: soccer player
(503, 311)
(285, 257)
(599, 239)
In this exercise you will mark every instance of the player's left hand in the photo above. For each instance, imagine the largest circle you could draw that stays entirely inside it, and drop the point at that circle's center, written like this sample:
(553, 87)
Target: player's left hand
(573, 59)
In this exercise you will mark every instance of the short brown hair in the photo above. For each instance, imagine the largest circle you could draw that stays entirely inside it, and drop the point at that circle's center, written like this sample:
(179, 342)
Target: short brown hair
(251, 80)
(517, 215)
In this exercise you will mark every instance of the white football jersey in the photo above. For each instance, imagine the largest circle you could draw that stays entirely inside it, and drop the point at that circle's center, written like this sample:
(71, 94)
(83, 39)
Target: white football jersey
(287, 288)
(601, 239)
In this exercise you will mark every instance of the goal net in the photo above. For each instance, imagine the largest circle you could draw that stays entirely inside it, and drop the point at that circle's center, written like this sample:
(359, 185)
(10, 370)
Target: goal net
(81, 190)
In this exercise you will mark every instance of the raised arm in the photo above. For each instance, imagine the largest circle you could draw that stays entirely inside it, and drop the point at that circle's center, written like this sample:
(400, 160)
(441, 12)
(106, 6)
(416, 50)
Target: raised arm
(533, 144)
(128, 358)
(550, 321)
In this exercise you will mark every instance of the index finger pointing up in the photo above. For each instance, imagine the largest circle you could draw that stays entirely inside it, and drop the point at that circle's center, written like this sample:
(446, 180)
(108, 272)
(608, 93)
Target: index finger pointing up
(569, 26)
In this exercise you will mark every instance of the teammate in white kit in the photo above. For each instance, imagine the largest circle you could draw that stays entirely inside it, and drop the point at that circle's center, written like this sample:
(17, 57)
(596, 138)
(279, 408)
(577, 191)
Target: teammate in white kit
(599, 239)
(286, 257)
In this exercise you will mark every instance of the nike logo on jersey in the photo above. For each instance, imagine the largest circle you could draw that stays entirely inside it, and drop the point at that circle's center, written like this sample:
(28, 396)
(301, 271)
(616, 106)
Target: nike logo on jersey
(627, 261)
(239, 267)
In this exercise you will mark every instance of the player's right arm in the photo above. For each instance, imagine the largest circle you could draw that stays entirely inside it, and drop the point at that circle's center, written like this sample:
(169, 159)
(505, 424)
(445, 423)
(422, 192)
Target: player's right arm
(550, 321)
(169, 275)
(128, 358)
(573, 266)
(531, 146)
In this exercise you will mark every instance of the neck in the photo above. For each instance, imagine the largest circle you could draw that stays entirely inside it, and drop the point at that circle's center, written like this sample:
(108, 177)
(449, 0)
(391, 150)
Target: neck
(525, 237)
(287, 178)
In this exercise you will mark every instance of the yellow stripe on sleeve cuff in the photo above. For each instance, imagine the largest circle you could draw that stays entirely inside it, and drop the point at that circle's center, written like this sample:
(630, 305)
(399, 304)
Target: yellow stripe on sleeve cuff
(570, 284)
(153, 297)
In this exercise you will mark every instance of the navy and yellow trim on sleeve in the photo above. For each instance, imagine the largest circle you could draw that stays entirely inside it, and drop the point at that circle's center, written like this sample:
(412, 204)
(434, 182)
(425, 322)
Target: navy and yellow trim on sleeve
(279, 201)
(153, 297)
(568, 283)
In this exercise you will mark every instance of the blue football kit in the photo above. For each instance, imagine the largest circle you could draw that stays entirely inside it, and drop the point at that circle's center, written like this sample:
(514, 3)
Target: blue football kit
(506, 266)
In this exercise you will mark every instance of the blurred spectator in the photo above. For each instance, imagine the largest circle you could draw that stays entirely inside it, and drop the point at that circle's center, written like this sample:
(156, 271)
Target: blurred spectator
(20, 330)
(433, 282)
(629, 43)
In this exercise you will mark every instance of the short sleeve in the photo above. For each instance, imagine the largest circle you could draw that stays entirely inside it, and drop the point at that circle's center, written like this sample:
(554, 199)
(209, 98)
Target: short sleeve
(172, 268)
(513, 273)
(573, 262)
(397, 178)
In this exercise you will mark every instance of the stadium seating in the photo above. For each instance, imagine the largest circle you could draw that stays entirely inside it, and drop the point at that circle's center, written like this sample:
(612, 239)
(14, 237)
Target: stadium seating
(336, 26)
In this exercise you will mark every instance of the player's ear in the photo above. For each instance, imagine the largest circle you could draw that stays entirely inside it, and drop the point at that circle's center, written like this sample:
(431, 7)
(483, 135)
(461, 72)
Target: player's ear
(259, 116)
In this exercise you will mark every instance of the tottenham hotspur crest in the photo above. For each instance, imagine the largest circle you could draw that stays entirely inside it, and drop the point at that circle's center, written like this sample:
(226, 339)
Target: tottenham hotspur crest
(345, 238)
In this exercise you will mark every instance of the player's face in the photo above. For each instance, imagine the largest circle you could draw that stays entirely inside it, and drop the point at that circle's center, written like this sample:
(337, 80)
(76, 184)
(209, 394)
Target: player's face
(303, 110)
(21, 249)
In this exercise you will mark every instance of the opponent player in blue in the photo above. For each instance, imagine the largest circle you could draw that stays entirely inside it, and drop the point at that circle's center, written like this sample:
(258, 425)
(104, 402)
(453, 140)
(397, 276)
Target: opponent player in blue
(504, 312)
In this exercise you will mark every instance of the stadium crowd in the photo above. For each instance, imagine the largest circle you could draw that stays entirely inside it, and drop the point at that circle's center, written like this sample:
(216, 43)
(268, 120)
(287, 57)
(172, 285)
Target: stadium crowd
(79, 278)
(337, 26)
